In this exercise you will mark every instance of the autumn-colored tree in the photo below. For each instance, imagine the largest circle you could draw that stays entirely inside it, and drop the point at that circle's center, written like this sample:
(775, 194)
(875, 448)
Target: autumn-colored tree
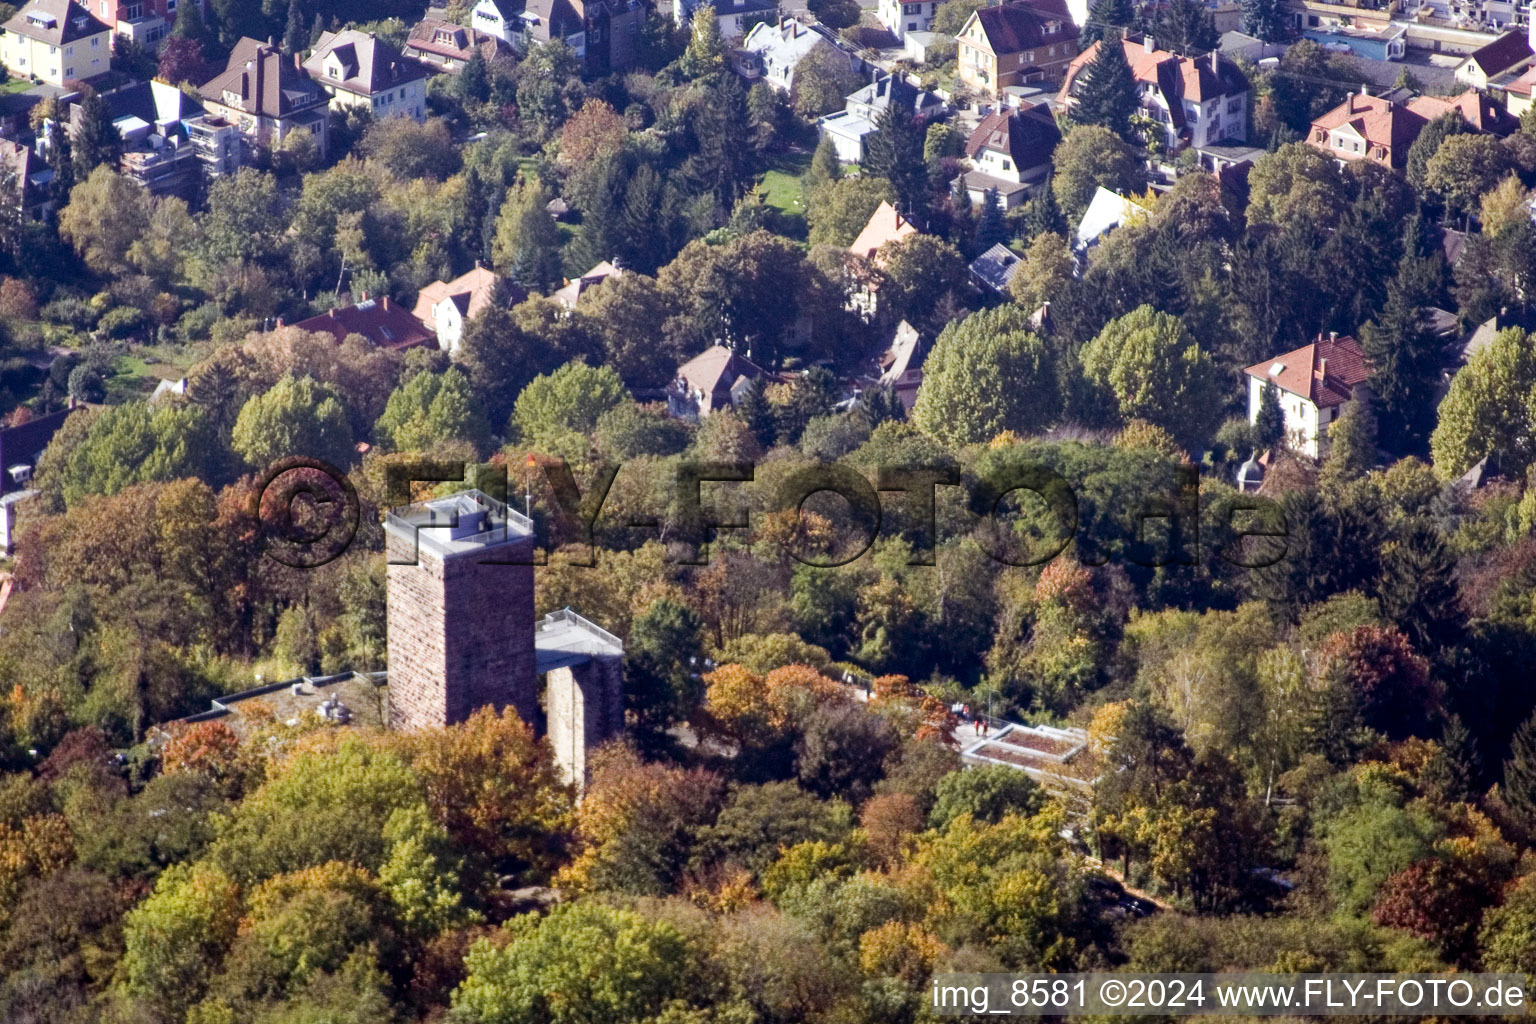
(1434, 899)
(1390, 680)
(211, 749)
(594, 131)
(900, 950)
(495, 788)
(889, 821)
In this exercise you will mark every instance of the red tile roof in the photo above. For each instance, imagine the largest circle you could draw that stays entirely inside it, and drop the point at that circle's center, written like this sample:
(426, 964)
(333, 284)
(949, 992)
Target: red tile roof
(1476, 108)
(885, 225)
(1324, 371)
(1178, 78)
(1379, 121)
(381, 321)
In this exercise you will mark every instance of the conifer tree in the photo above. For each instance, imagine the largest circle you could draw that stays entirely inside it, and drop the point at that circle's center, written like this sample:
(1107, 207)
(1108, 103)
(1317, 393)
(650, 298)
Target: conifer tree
(1042, 214)
(1455, 771)
(895, 153)
(95, 140)
(1520, 773)
(1106, 93)
(527, 246)
(294, 36)
(991, 228)
(825, 166)
(1269, 425)
(1106, 18)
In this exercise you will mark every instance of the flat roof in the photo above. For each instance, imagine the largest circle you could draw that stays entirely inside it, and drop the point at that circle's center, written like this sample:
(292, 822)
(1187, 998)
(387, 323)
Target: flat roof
(562, 639)
(427, 523)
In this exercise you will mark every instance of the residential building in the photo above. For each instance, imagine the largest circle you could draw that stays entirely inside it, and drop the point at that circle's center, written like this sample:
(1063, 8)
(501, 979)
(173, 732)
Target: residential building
(1019, 41)
(31, 177)
(217, 142)
(772, 51)
(1480, 110)
(446, 306)
(1373, 40)
(150, 117)
(267, 96)
(1507, 54)
(1314, 382)
(885, 226)
(1366, 127)
(362, 72)
(604, 33)
(1106, 211)
(994, 269)
(901, 17)
(734, 17)
(901, 365)
(143, 22)
(1518, 93)
(1199, 101)
(1249, 48)
(571, 292)
(21, 445)
(445, 46)
(56, 41)
(713, 379)
(1010, 153)
(385, 323)
(499, 18)
(850, 127)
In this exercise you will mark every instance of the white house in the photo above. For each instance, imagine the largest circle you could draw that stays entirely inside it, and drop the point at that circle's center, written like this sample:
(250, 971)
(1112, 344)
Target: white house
(850, 127)
(498, 18)
(902, 18)
(735, 17)
(1106, 211)
(1505, 55)
(1010, 153)
(445, 306)
(774, 50)
(1314, 382)
(1198, 101)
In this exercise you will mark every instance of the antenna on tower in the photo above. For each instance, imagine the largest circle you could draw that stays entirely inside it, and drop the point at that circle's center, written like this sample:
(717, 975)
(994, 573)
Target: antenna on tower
(528, 486)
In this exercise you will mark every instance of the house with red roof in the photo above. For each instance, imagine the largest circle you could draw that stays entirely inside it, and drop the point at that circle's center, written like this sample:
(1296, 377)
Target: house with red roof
(1478, 109)
(1199, 101)
(1314, 382)
(1015, 42)
(1366, 127)
(387, 324)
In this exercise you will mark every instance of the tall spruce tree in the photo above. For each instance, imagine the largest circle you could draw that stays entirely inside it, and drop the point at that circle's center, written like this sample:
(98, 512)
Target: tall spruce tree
(1455, 772)
(1107, 18)
(95, 140)
(1264, 19)
(895, 153)
(825, 166)
(527, 246)
(1520, 773)
(1042, 214)
(991, 227)
(1269, 425)
(295, 35)
(1106, 91)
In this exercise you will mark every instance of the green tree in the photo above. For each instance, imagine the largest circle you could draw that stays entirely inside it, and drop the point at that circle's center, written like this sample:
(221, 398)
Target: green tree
(175, 937)
(1508, 936)
(527, 245)
(1464, 169)
(660, 671)
(432, 409)
(139, 443)
(568, 401)
(1296, 186)
(991, 228)
(839, 209)
(1046, 272)
(1186, 27)
(1090, 157)
(925, 282)
(1265, 20)
(1107, 19)
(825, 167)
(986, 794)
(295, 34)
(1520, 772)
(293, 417)
(1488, 409)
(822, 79)
(582, 962)
(951, 15)
(1428, 142)
(1269, 425)
(106, 214)
(986, 374)
(1105, 93)
(95, 141)
(1405, 357)
(1157, 372)
(895, 152)
(243, 222)
(706, 50)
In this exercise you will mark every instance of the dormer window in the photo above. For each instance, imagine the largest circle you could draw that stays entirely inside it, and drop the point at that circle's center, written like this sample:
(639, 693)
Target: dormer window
(333, 72)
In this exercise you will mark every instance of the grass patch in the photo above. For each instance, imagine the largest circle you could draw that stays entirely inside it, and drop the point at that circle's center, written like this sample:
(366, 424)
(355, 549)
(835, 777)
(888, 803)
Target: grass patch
(783, 189)
(13, 86)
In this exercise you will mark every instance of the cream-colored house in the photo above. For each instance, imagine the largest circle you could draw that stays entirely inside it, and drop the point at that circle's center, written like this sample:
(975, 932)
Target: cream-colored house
(56, 41)
(358, 70)
(1314, 382)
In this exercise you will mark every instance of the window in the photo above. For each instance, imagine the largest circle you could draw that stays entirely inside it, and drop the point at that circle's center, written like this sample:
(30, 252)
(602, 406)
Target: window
(96, 42)
(1007, 166)
(333, 72)
(69, 72)
(69, 51)
(1028, 58)
(911, 26)
(1234, 105)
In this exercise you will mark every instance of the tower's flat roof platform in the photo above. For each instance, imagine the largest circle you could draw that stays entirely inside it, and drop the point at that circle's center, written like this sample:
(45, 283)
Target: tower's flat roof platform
(563, 639)
(461, 523)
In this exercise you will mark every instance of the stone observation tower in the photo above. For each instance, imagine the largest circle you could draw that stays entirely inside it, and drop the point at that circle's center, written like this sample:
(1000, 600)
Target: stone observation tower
(462, 633)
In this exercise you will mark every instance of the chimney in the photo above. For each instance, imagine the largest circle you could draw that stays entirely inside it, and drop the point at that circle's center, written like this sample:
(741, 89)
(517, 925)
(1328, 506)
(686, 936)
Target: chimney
(1148, 43)
(1215, 62)
(333, 312)
(1322, 367)
(386, 302)
(1333, 335)
(71, 401)
(1530, 26)
(298, 60)
(280, 324)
